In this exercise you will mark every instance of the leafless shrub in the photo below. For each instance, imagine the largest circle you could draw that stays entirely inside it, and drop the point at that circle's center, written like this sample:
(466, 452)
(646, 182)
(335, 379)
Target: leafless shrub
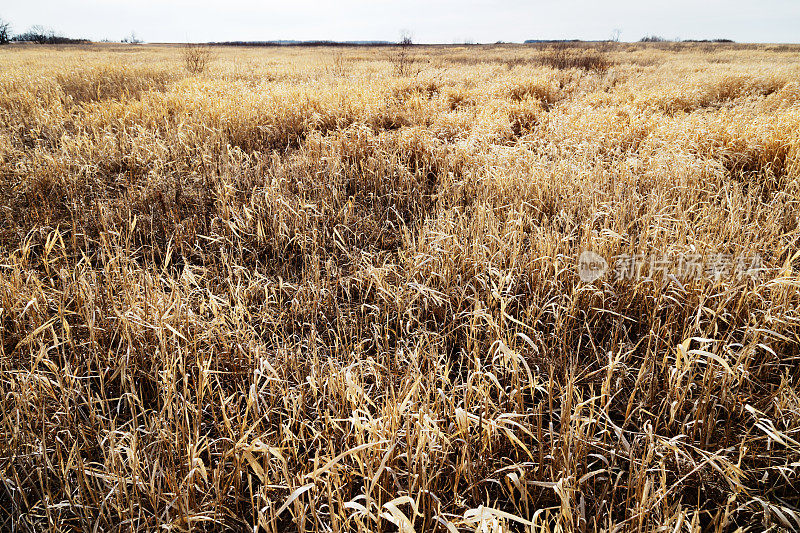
(402, 61)
(196, 58)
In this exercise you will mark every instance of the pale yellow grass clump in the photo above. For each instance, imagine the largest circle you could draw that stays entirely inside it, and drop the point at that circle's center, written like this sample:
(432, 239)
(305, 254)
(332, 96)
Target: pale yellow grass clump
(298, 291)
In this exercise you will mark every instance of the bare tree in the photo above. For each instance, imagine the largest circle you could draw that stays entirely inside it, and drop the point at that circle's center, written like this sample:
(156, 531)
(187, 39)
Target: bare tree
(406, 38)
(5, 32)
(401, 59)
(37, 34)
(615, 35)
(132, 39)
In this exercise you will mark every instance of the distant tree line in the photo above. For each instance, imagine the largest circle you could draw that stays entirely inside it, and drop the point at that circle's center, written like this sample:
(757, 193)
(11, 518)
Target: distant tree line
(36, 34)
(615, 38)
(552, 41)
(708, 41)
(40, 35)
(302, 43)
(659, 39)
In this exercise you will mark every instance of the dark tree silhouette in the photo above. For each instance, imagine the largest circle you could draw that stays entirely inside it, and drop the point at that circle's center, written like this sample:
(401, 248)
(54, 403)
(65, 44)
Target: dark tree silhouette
(5, 32)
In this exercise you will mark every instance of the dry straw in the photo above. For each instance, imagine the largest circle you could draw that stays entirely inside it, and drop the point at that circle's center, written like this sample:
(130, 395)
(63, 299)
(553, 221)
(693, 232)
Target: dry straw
(294, 296)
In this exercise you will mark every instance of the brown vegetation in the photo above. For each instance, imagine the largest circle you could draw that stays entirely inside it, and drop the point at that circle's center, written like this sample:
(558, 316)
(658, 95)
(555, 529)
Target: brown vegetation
(196, 58)
(294, 296)
(565, 55)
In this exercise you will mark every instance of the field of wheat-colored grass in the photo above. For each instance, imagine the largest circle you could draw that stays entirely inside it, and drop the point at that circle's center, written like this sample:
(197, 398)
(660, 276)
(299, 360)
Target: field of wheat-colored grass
(337, 289)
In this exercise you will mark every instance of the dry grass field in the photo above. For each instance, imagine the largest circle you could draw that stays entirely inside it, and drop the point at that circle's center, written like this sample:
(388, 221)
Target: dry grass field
(337, 289)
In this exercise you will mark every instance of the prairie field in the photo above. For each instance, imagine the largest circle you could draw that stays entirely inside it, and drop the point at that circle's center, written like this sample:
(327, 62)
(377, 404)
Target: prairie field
(339, 289)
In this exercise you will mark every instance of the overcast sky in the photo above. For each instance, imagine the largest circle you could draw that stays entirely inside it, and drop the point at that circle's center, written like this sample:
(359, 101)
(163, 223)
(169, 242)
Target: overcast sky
(445, 21)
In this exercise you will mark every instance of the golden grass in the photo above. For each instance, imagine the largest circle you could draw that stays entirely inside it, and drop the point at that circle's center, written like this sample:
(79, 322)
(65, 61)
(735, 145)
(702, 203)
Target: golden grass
(300, 292)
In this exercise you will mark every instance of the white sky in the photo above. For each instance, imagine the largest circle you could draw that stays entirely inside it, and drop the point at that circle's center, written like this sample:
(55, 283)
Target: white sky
(444, 21)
